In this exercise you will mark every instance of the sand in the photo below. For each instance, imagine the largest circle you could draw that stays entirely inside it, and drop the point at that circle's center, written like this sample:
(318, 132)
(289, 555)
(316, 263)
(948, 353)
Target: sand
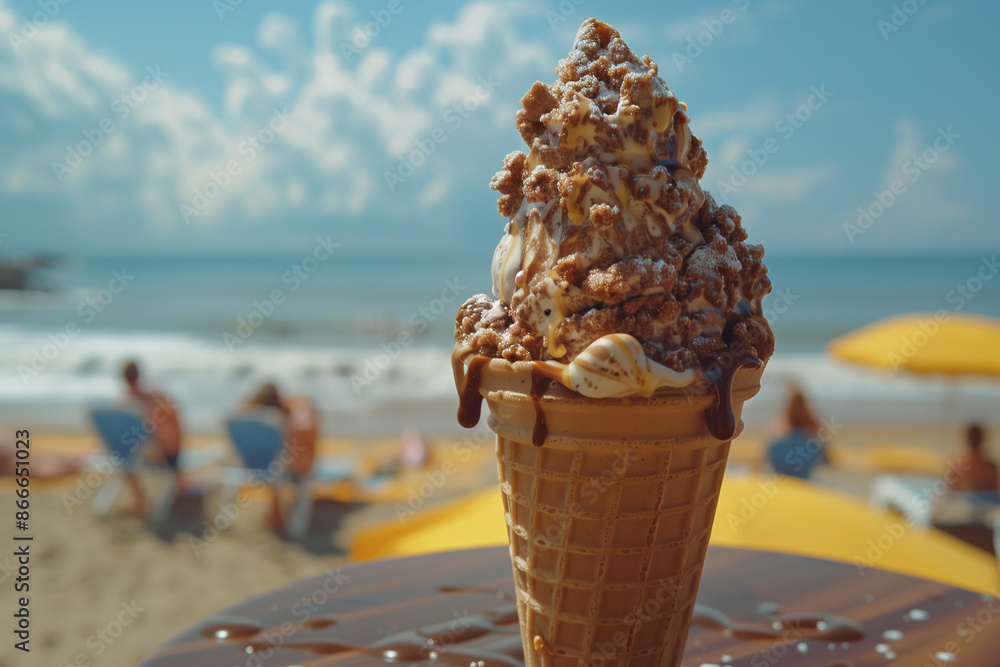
(108, 591)
(94, 578)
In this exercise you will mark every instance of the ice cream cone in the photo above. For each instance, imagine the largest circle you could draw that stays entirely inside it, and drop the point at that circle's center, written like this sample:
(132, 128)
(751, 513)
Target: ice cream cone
(609, 519)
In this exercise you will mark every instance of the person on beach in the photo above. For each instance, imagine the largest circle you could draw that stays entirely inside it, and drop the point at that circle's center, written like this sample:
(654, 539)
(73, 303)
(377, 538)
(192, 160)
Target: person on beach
(412, 454)
(300, 424)
(799, 450)
(978, 472)
(165, 428)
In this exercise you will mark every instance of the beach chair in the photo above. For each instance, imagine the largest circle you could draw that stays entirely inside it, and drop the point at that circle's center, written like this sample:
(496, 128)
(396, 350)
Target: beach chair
(258, 439)
(122, 436)
(325, 472)
(913, 496)
(926, 501)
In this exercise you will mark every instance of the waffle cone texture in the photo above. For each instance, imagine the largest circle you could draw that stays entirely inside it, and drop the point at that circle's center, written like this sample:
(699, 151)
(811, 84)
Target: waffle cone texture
(609, 519)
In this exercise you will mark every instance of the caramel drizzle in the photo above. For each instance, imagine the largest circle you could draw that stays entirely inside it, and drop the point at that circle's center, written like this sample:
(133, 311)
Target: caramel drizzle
(539, 382)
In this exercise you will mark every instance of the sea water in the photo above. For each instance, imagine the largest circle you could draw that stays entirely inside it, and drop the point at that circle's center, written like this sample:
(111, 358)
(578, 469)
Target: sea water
(368, 337)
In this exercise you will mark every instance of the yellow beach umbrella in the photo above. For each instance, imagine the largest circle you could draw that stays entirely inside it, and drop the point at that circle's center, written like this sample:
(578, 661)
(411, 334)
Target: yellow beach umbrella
(928, 343)
(774, 513)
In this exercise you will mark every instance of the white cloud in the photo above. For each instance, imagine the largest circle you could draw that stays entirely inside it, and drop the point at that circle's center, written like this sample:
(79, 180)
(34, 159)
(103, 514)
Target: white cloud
(787, 185)
(905, 156)
(931, 160)
(435, 192)
(277, 32)
(707, 27)
(56, 71)
(732, 151)
(757, 115)
(352, 116)
(916, 194)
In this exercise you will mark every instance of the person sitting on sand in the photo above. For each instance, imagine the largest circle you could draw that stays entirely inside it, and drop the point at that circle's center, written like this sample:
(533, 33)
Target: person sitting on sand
(160, 413)
(300, 424)
(976, 471)
(797, 452)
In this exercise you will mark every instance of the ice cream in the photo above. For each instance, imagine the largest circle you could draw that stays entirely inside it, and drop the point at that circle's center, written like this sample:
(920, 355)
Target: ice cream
(617, 271)
(624, 336)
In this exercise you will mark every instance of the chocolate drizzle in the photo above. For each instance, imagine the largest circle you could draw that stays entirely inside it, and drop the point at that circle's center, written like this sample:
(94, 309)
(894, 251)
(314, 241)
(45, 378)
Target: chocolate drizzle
(467, 380)
(539, 382)
(720, 417)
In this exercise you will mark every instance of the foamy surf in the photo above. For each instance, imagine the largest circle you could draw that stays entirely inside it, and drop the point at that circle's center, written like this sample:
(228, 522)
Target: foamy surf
(379, 389)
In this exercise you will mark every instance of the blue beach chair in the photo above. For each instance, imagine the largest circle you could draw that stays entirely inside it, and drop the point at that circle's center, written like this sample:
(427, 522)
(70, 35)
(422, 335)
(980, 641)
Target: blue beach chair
(122, 436)
(259, 440)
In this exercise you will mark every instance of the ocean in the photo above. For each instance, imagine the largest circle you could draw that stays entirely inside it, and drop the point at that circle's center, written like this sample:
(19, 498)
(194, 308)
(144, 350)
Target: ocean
(368, 337)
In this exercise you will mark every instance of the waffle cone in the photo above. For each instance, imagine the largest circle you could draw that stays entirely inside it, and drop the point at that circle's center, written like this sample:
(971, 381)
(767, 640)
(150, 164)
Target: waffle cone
(609, 519)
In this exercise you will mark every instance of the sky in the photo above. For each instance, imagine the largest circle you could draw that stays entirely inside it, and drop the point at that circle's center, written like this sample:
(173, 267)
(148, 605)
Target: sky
(225, 126)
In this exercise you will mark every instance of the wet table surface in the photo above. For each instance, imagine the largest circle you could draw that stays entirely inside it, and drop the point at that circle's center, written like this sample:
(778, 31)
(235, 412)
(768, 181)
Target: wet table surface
(755, 608)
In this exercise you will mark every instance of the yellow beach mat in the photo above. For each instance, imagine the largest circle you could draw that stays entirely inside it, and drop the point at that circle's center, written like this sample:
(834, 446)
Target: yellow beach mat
(773, 513)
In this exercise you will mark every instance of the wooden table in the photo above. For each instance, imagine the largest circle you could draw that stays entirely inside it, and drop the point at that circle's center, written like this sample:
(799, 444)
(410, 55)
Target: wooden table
(755, 609)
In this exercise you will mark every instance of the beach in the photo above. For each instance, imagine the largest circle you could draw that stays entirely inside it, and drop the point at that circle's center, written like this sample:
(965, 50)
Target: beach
(108, 591)
(368, 339)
